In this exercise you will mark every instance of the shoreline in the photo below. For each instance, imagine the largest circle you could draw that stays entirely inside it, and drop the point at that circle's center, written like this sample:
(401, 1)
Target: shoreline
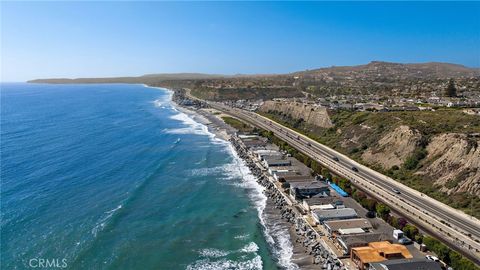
(290, 236)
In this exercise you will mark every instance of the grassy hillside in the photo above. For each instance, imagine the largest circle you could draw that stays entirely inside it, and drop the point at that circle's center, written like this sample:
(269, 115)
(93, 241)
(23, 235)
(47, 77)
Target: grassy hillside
(355, 133)
(244, 93)
(239, 125)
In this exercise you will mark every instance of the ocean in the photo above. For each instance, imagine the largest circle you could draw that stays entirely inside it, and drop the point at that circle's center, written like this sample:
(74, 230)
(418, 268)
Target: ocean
(113, 176)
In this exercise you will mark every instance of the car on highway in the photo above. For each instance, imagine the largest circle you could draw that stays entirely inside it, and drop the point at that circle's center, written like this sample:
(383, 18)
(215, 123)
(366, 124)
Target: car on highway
(309, 144)
(432, 258)
(335, 158)
(396, 191)
(354, 169)
(405, 241)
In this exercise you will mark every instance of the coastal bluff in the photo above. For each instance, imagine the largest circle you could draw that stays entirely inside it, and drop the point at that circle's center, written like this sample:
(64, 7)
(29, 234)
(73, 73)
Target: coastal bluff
(310, 113)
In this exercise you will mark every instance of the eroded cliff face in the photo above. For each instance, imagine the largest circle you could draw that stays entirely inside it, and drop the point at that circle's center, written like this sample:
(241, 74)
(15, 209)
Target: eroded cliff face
(454, 163)
(311, 114)
(393, 148)
(449, 161)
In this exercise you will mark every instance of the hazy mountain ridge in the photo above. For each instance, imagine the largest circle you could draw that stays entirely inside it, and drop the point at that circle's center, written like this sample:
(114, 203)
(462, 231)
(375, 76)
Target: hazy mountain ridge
(415, 70)
(374, 78)
(384, 68)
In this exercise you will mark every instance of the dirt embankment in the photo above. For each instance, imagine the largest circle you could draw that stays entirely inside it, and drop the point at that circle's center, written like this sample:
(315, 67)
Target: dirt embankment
(454, 163)
(310, 114)
(393, 148)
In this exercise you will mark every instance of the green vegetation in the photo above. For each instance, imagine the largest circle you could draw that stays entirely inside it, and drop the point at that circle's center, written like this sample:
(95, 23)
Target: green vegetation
(244, 93)
(412, 161)
(382, 210)
(453, 258)
(350, 124)
(451, 90)
(235, 123)
(447, 255)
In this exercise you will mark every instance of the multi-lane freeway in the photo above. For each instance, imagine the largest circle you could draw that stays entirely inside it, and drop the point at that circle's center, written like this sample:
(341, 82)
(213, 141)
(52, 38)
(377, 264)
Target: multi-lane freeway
(454, 227)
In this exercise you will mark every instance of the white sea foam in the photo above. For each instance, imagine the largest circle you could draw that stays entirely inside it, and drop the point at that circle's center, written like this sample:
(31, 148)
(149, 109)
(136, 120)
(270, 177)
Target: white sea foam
(207, 171)
(281, 243)
(249, 248)
(284, 250)
(100, 225)
(213, 252)
(242, 236)
(192, 127)
(207, 264)
(277, 237)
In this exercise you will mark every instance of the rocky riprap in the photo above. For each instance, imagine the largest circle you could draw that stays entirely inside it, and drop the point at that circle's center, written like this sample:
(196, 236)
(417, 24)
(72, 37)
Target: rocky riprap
(305, 235)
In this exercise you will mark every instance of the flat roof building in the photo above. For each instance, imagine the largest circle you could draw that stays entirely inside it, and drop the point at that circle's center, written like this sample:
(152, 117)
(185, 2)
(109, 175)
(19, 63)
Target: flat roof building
(261, 153)
(298, 178)
(378, 252)
(334, 226)
(254, 143)
(272, 170)
(321, 216)
(300, 190)
(276, 162)
(248, 136)
(402, 264)
(350, 231)
(283, 176)
(348, 241)
(311, 203)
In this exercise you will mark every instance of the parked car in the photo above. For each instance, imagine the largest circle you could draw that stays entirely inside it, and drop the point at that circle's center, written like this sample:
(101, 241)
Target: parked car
(396, 191)
(405, 241)
(370, 214)
(354, 169)
(335, 158)
(432, 258)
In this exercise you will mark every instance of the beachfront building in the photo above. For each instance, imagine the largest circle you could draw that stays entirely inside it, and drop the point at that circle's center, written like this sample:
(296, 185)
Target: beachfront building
(282, 169)
(377, 252)
(297, 179)
(300, 190)
(280, 175)
(401, 264)
(333, 227)
(320, 216)
(261, 153)
(346, 242)
(276, 162)
(254, 143)
(317, 202)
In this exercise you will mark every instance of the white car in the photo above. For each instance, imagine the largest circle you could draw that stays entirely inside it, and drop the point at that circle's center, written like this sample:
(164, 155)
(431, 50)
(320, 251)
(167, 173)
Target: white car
(432, 258)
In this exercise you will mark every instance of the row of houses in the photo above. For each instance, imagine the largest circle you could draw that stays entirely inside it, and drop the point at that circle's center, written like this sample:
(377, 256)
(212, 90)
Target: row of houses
(354, 235)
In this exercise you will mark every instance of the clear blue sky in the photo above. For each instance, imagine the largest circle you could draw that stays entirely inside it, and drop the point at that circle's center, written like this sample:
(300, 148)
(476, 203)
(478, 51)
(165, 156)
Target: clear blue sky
(93, 39)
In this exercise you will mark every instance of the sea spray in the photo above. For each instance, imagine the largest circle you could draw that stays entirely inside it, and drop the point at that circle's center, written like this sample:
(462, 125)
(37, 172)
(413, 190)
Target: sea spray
(68, 164)
(277, 237)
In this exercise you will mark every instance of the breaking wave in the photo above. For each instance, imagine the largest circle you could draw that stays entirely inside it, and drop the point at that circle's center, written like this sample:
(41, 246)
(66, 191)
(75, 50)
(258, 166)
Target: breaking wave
(223, 264)
(212, 259)
(277, 238)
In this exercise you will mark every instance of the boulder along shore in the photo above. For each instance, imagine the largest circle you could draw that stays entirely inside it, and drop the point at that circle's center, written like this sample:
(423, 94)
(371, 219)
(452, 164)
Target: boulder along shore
(307, 250)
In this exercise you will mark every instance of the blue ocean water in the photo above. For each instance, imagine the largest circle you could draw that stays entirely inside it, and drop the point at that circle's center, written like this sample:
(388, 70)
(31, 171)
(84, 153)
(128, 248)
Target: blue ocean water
(114, 177)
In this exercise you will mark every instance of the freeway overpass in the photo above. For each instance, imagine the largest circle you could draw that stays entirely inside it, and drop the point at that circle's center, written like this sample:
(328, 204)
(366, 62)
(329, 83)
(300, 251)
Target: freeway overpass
(455, 228)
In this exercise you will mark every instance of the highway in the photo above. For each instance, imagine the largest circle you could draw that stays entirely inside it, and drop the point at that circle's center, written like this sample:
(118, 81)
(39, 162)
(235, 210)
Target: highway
(455, 227)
